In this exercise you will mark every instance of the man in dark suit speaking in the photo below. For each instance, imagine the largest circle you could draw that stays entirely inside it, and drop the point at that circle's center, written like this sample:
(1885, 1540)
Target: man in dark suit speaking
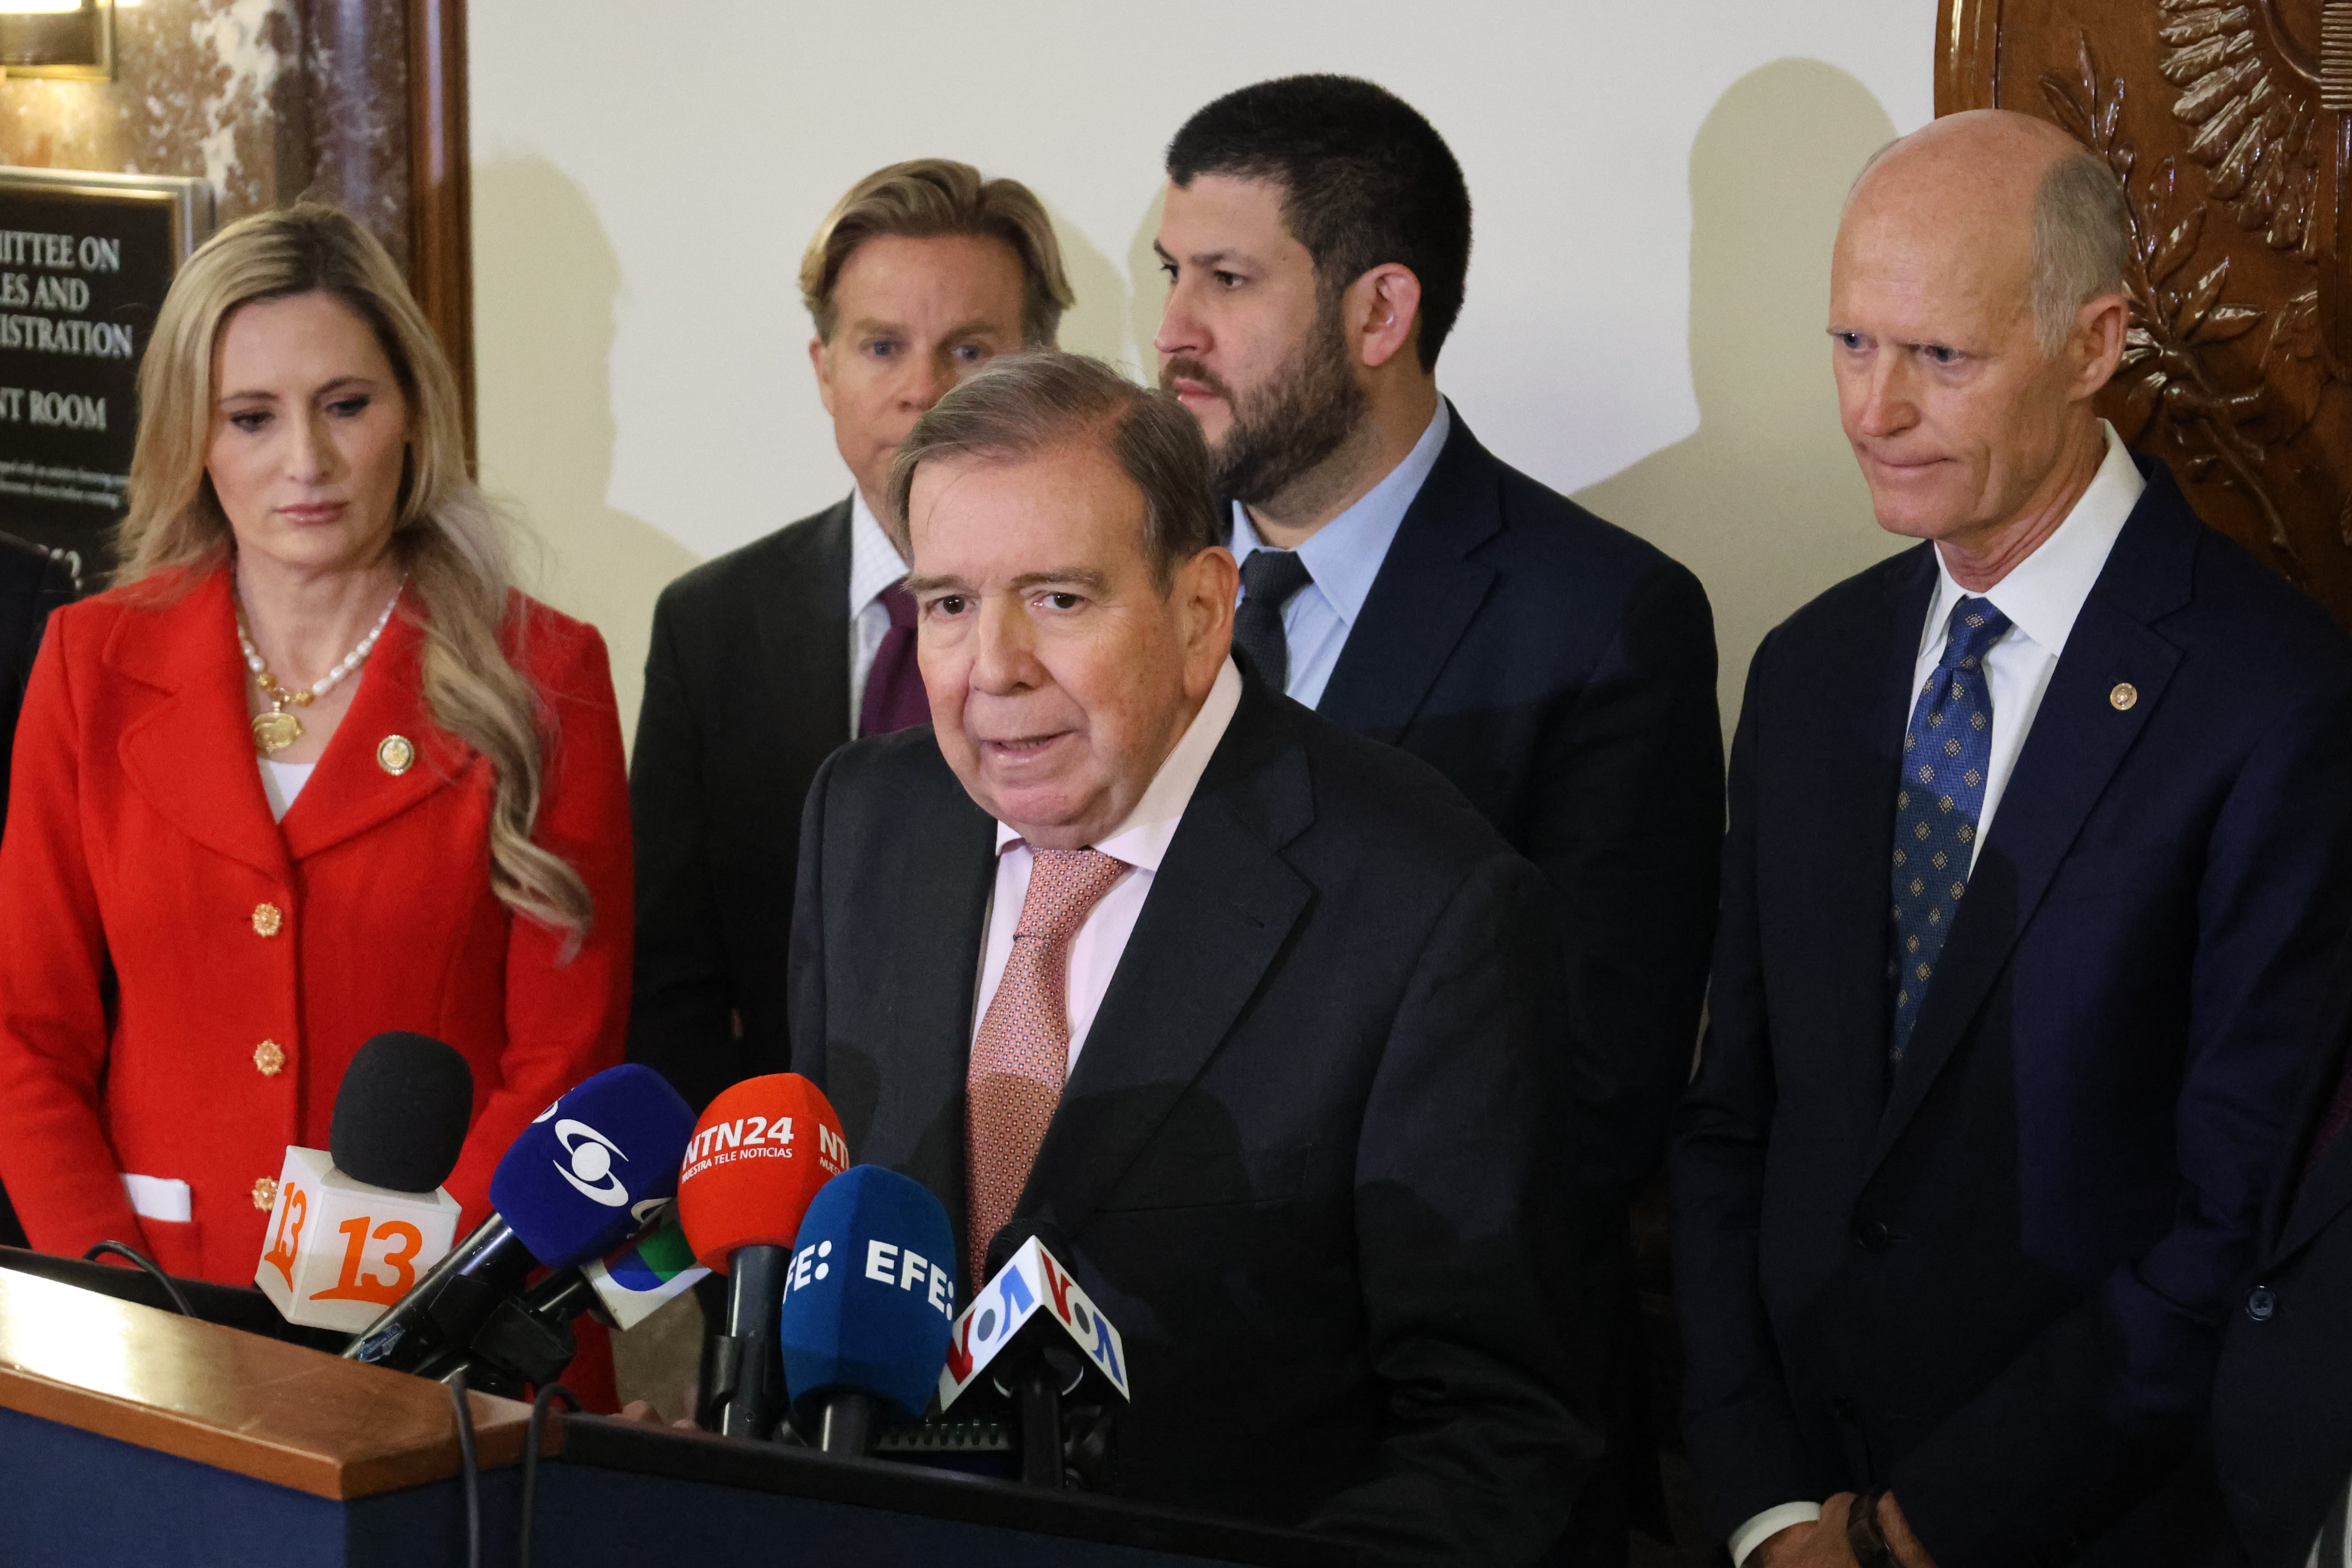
(1257, 1014)
(33, 582)
(2037, 860)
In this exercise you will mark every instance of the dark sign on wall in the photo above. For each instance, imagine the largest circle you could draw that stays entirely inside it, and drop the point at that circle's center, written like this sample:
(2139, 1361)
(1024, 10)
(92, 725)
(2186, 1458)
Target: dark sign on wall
(85, 260)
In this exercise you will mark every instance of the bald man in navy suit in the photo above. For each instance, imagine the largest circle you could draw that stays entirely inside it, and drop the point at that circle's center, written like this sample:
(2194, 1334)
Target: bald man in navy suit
(2037, 860)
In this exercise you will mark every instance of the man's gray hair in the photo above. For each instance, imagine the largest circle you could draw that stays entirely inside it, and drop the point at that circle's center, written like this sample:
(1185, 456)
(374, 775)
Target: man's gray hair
(1020, 405)
(2082, 242)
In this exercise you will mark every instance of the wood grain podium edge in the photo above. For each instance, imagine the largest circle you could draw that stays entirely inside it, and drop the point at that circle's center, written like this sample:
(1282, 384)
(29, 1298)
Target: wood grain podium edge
(501, 1426)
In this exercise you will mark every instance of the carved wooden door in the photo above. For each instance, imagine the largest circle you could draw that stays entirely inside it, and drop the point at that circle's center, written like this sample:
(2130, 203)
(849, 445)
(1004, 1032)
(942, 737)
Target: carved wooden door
(2227, 121)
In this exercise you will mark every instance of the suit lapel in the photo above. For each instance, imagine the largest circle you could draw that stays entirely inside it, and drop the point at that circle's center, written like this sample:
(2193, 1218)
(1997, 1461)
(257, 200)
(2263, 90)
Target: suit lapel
(1221, 905)
(803, 631)
(945, 869)
(190, 755)
(2079, 739)
(355, 788)
(1424, 596)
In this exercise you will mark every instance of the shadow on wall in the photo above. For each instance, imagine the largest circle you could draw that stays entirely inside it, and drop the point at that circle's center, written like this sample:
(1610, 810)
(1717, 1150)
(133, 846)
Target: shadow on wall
(1763, 500)
(1097, 324)
(545, 280)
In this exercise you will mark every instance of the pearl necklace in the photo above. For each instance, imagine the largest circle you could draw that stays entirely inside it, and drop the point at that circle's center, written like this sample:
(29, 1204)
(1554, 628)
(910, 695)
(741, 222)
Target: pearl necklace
(277, 730)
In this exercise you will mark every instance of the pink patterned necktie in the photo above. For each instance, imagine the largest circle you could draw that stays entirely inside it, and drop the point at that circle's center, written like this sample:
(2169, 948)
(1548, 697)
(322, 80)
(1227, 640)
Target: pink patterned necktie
(1023, 1050)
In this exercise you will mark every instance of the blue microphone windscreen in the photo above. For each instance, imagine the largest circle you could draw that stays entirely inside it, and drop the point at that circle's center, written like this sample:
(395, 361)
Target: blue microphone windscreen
(872, 1294)
(582, 1176)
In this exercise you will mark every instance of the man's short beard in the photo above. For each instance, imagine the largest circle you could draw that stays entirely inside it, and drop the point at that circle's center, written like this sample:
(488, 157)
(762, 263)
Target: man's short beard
(1284, 430)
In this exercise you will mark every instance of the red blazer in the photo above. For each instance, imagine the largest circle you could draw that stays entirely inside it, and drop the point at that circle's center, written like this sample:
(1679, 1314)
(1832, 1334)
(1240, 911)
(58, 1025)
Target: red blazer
(182, 982)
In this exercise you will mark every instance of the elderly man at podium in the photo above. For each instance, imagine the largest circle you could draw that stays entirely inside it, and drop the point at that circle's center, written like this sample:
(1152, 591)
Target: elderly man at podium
(1256, 1013)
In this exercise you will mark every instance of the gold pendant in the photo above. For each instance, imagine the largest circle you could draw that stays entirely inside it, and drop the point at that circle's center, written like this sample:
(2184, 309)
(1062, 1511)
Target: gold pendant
(275, 731)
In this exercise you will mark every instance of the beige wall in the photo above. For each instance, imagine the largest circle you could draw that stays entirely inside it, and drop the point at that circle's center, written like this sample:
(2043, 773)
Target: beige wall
(1656, 190)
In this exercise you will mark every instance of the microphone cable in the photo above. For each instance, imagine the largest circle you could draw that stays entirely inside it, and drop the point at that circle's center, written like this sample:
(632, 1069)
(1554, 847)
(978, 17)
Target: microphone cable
(469, 1468)
(553, 1392)
(171, 1286)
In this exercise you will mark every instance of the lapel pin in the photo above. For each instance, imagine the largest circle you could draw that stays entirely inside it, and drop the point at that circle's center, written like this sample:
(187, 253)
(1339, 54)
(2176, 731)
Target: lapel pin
(396, 754)
(2123, 696)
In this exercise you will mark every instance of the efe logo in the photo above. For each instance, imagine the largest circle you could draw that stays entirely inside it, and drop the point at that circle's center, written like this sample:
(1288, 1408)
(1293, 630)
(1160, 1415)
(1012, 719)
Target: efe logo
(590, 1171)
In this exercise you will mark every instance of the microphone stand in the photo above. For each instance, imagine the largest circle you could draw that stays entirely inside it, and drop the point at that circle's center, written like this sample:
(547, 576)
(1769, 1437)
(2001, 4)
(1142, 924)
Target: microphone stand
(748, 1374)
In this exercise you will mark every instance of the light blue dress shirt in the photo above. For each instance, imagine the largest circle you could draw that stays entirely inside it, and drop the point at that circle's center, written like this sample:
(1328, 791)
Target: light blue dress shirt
(1343, 556)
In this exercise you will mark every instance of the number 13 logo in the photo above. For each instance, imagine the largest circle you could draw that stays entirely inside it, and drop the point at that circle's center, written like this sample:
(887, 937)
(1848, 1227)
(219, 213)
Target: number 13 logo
(353, 1286)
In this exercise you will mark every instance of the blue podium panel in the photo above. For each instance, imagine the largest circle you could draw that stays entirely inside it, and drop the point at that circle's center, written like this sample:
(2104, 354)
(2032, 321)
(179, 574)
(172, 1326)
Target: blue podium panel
(76, 1499)
(598, 1517)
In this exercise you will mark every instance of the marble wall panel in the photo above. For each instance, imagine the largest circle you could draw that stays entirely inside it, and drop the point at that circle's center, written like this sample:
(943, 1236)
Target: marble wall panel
(269, 100)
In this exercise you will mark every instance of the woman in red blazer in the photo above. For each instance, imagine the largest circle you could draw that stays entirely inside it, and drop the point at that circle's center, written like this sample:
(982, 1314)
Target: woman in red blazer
(312, 770)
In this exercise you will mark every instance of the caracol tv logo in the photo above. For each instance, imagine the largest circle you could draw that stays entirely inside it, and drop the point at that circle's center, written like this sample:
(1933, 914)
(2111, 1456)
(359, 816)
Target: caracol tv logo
(591, 1154)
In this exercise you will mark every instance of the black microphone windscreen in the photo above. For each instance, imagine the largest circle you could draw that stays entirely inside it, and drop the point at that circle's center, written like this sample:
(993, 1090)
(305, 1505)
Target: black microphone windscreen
(401, 1113)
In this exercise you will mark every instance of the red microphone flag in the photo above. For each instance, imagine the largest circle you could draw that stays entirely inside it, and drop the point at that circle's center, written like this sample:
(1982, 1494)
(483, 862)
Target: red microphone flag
(757, 1157)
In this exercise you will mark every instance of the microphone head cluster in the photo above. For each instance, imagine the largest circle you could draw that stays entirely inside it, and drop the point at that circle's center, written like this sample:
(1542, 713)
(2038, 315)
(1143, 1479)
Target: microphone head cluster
(591, 1168)
(402, 1112)
(870, 1300)
(753, 1163)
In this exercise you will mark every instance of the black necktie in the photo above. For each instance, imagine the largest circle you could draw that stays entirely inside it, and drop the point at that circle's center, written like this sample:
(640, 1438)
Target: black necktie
(1269, 577)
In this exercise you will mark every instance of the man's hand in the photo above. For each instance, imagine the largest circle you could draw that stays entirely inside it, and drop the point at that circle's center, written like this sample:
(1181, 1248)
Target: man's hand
(1821, 1544)
(1899, 1539)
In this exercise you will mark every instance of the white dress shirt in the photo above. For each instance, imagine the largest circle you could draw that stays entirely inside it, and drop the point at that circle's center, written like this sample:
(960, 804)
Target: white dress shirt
(2041, 597)
(1343, 556)
(1142, 841)
(280, 783)
(874, 566)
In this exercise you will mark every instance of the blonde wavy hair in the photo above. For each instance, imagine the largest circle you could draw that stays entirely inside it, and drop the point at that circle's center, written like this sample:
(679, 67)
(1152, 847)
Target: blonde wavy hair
(456, 547)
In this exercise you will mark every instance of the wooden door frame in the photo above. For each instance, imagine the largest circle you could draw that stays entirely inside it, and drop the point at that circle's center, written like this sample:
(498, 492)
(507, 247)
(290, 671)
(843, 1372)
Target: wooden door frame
(440, 186)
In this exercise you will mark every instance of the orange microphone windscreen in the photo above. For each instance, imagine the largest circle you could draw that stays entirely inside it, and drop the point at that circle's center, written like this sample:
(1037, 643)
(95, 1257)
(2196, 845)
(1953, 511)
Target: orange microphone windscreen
(757, 1157)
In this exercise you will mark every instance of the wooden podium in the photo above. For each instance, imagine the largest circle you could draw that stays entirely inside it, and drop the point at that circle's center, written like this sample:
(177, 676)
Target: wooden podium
(132, 1436)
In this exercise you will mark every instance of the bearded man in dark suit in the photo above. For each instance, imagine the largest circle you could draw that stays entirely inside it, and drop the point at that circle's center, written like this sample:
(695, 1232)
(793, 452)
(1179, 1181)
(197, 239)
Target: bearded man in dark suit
(1410, 586)
(33, 582)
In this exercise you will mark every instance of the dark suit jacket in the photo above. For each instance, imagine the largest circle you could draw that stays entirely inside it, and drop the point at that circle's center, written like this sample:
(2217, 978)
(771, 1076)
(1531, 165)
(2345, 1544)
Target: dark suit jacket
(32, 583)
(747, 691)
(2283, 1397)
(1995, 1283)
(1560, 673)
(1307, 1160)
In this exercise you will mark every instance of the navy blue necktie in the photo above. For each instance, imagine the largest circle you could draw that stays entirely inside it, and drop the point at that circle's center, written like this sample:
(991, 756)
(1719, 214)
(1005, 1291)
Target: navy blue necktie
(1945, 753)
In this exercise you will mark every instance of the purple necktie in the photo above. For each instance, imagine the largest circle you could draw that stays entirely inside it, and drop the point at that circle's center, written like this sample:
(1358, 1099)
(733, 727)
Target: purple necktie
(894, 686)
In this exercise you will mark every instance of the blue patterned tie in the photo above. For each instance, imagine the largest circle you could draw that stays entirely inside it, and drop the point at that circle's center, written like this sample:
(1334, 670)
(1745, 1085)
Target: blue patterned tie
(1945, 754)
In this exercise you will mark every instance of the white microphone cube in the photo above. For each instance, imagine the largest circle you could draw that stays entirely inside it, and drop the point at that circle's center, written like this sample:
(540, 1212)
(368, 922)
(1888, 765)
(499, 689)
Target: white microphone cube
(339, 1251)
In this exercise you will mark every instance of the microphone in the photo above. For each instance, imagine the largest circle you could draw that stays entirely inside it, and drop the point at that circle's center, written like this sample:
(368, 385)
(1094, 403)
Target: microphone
(587, 1172)
(633, 1283)
(1044, 1343)
(353, 1222)
(867, 1308)
(755, 1161)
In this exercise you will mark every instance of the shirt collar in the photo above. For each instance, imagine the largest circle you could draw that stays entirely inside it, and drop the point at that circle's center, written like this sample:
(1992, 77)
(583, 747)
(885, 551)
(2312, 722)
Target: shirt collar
(2044, 593)
(1344, 555)
(873, 563)
(1143, 838)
